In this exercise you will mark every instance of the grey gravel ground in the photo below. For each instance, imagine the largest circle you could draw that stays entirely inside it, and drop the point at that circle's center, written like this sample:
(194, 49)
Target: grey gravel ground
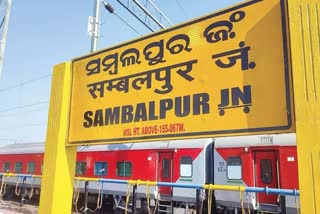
(14, 207)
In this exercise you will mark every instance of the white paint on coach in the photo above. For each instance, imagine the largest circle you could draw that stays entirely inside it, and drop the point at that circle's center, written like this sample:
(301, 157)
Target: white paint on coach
(256, 140)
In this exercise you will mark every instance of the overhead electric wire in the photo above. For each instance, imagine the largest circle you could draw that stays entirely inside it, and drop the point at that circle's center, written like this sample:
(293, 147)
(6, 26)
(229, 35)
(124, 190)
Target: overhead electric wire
(127, 23)
(24, 83)
(23, 126)
(24, 106)
(182, 9)
(137, 17)
(148, 13)
(2, 22)
(159, 11)
(23, 112)
(17, 140)
(110, 9)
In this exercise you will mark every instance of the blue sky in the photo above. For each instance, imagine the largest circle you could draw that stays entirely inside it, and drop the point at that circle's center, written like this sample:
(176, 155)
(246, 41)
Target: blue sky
(42, 34)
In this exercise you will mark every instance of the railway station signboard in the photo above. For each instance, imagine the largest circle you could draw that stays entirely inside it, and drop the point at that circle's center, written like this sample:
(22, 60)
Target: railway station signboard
(219, 75)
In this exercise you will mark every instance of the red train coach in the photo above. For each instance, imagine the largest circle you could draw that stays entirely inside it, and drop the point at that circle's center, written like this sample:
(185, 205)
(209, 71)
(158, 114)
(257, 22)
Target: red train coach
(256, 161)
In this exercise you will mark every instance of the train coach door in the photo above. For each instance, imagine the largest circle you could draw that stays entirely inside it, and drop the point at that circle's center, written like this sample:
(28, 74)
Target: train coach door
(266, 174)
(165, 171)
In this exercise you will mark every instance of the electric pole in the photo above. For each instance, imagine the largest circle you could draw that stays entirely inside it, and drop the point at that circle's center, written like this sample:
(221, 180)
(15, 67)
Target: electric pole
(94, 25)
(4, 27)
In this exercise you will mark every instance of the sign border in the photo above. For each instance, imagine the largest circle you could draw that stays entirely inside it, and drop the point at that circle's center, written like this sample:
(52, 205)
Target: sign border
(205, 133)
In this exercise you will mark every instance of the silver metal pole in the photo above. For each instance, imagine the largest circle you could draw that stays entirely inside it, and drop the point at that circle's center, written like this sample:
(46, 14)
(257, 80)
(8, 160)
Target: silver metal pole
(4, 33)
(95, 26)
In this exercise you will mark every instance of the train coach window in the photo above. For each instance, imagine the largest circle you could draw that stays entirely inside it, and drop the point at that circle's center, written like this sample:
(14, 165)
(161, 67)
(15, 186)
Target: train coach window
(6, 167)
(124, 169)
(165, 168)
(266, 171)
(18, 167)
(31, 167)
(234, 168)
(186, 167)
(81, 168)
(100, 168)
